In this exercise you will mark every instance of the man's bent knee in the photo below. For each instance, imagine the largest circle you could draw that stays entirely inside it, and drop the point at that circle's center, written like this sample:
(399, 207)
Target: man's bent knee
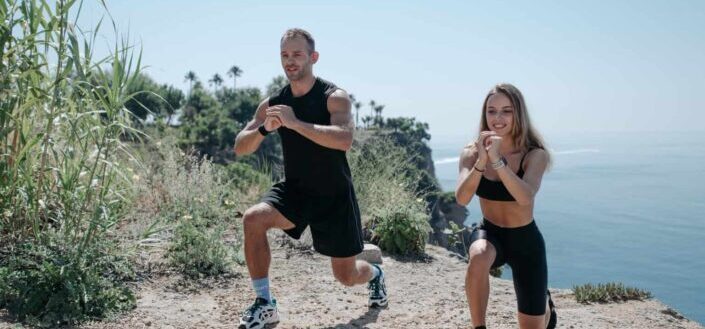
(255, 218)
(262, 216)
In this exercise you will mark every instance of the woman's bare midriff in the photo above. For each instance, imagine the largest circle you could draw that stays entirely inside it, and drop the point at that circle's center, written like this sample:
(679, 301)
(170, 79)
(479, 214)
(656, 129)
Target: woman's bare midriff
(508, 214)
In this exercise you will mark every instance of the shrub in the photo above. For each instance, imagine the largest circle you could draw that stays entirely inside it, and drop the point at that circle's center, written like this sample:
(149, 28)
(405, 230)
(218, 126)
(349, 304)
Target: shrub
(384, 178)
(385, 182)
(48, 286)
(191, 202)
(455, 236)
(174, 183)
(244, 177)
(497, 272)
(197, 250)
(400, 232)
(62, 124)
(608, 292)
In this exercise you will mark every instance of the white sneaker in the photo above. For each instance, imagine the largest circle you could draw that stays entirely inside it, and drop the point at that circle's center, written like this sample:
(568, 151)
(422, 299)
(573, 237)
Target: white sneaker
(259, 314)
(378, 290)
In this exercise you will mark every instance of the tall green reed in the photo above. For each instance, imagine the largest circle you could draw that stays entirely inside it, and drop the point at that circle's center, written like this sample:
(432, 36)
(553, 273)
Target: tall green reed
(62, 183)
(61, 122)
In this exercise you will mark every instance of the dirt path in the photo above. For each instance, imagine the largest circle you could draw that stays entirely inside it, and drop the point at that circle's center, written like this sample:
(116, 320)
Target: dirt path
(423, 294)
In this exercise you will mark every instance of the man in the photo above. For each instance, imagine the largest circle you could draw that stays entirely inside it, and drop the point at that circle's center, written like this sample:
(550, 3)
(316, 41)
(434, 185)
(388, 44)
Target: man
(314, 121)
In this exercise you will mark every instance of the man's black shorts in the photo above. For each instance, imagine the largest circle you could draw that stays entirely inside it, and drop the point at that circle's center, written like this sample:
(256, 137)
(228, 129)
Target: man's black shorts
(335, 220)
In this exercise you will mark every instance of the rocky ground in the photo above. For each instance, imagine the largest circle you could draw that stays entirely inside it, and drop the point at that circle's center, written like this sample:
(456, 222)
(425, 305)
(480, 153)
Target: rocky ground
(424, 293)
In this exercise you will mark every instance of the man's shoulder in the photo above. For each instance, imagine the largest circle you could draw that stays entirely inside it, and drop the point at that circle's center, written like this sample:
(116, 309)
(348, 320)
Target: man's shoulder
(326, 83)
(328, 87)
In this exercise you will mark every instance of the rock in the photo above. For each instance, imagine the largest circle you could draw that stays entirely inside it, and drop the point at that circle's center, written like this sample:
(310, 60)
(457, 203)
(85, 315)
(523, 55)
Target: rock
(371, 254)
(444, 212)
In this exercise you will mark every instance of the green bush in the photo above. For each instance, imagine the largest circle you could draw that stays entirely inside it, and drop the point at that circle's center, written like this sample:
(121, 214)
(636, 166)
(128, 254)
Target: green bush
(172, 184)
(192, 203)
(608, 292)
(497, 272)
(197, 250)
(244, 177)
(49, 286)
(385, 182)
(455, 235)
(400, 232)
(63, 123)
(384, 179)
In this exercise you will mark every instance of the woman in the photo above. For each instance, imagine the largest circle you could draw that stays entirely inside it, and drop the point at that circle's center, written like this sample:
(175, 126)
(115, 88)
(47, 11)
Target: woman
(504, 168)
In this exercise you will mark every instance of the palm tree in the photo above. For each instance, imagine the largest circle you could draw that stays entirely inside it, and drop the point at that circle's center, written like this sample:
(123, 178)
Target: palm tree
(358, 105)
(191, 78)
(234, 72)
(378, 111)
(216, 80)
(366, 120)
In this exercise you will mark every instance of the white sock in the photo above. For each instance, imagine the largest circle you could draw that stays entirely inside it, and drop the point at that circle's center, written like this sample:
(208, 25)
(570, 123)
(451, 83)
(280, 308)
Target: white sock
(261, 287)
(375, 272)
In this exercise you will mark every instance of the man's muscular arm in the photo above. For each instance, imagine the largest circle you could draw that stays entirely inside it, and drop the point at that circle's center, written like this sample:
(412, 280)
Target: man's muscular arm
(249, 139)
(338, 135)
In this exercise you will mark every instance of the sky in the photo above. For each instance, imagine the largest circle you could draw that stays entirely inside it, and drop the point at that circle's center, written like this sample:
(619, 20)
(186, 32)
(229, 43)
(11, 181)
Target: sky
(594, 66)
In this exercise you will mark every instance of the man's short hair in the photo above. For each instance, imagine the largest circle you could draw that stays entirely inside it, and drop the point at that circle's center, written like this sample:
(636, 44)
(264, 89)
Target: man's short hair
(300, 33)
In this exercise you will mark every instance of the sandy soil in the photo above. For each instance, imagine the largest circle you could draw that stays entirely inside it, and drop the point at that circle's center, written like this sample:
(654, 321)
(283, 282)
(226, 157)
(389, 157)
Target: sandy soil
(424, 293)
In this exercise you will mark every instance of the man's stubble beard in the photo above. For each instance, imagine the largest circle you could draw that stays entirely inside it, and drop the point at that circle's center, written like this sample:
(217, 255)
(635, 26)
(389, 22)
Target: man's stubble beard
(299, 75)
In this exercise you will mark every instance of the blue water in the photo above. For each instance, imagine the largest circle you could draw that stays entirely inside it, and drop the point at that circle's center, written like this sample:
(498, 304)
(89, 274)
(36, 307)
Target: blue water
(624, 207)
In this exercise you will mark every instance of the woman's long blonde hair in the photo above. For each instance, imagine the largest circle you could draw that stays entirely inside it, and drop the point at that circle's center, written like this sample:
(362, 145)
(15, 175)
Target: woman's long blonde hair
(523, 134)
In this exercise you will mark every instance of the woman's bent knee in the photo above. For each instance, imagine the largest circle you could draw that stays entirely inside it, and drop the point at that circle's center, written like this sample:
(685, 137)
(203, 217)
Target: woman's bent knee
(481, 255)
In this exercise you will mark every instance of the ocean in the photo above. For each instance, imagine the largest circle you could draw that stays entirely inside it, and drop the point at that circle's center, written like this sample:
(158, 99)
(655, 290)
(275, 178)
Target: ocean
(624, 207)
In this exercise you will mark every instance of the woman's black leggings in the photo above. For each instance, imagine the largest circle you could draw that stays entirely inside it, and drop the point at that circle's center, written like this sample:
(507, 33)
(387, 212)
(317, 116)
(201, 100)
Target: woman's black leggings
(524, 250)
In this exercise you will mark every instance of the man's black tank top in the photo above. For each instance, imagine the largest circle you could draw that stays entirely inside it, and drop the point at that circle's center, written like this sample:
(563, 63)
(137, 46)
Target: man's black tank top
(312, 168)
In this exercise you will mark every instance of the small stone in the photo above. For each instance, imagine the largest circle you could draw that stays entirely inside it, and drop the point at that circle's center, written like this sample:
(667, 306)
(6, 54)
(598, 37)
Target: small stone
(371, 254)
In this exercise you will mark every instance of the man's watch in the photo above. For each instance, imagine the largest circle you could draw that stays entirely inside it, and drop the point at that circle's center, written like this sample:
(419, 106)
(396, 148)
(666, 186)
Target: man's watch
(263, 130)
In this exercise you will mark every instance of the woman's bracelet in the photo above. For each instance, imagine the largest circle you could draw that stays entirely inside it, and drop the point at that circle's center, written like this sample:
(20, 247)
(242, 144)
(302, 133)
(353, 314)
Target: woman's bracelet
(499, 164)
(478, 169)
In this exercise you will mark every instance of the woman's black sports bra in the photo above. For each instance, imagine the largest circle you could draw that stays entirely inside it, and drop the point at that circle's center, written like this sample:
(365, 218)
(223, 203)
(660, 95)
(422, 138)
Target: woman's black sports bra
(495, 190)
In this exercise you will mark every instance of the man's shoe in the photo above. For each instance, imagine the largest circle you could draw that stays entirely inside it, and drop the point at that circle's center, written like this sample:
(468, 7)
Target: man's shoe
(259, 314)
(378, 290)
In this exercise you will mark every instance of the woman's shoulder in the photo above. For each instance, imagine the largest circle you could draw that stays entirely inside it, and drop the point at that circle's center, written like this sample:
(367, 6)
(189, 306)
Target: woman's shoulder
(536, 150)
(536, 156)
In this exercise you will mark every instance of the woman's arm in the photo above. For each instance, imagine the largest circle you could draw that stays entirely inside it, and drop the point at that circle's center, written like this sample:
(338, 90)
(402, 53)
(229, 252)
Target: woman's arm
(470, 174)
(524, 189)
